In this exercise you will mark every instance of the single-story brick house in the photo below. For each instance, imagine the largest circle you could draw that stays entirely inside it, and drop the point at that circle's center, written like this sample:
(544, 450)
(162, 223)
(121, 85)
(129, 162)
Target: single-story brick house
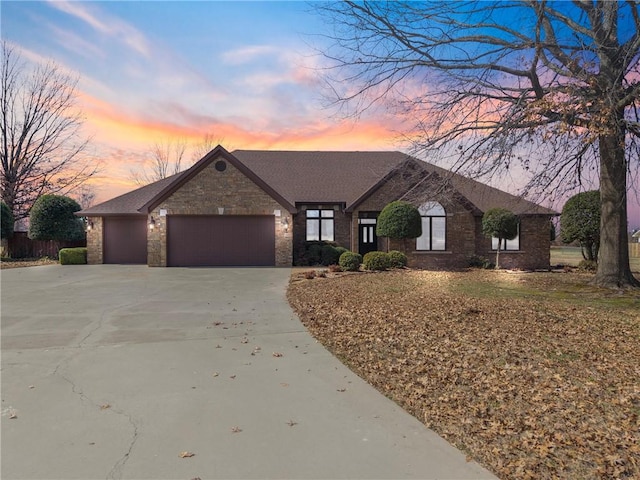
(259, 208)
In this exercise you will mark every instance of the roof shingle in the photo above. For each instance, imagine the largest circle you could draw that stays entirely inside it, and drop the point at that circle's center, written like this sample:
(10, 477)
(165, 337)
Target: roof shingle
(325, 177)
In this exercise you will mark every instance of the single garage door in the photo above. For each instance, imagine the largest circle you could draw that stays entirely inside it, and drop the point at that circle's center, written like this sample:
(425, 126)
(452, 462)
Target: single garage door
(220, 240)
(125, 239)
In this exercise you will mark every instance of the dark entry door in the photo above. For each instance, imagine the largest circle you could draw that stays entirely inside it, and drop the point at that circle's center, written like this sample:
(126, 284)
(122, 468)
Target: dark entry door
(367, 238)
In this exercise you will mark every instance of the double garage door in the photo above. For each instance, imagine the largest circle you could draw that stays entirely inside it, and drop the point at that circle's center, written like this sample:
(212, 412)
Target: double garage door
(195, 241)
(220, 240)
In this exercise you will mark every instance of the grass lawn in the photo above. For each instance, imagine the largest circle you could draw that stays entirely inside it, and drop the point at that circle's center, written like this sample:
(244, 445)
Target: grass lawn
(534, 375)
(572, 256)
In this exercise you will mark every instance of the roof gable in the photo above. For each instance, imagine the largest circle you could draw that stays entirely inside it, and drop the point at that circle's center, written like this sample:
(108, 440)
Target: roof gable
(215, 154)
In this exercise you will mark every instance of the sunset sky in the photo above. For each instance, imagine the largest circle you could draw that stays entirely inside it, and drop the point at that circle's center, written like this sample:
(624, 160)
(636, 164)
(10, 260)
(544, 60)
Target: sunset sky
(246, 73)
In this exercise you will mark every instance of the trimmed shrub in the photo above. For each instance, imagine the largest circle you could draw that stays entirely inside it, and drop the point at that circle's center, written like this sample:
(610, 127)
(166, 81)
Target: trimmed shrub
(52, 218)
(397, 259)
(376, 261)
(399, 220)
(314, 253)
(350, 261)
(477, 261)
(329, 255)
(73, 256)
(341, 250)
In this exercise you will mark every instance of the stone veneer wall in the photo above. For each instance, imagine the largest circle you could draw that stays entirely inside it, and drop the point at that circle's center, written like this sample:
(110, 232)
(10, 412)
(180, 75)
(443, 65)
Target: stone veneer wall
(460, 236)
(535, 245)
(209, 190)
(95, 253)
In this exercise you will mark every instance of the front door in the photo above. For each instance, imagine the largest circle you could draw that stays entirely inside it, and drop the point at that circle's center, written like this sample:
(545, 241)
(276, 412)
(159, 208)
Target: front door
(368, 240)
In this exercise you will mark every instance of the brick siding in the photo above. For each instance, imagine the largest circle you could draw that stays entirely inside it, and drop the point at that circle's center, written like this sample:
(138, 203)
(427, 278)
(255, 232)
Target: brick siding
(95, 254)
(210, 190)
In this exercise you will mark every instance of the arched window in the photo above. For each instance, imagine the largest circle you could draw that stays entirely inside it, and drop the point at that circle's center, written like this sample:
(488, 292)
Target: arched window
(434, 227)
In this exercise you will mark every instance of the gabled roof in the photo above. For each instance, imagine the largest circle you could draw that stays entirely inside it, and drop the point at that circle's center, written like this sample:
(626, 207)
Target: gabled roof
(128, 203)
(295, 177)
(321, 177)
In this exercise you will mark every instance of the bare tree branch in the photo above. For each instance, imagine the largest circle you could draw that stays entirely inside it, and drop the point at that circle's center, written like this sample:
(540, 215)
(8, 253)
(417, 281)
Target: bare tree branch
(42, 145)
(548, 87)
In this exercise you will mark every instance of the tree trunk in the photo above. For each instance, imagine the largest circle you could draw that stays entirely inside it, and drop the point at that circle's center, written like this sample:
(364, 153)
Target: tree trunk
(613, 256)
(498, 254)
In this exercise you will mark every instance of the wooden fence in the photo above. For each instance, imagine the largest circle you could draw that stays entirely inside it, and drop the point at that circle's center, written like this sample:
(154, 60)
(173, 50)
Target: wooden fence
(634, 250)
(21, 246)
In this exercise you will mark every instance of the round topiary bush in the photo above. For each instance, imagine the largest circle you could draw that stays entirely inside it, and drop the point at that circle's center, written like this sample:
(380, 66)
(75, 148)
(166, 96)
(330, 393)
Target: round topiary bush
(397, 259)
(376, 261)
(399, 220)
(350, 261)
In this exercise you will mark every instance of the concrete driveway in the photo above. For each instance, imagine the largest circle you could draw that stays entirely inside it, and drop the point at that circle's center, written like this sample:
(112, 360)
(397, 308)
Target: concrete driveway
(114, 371)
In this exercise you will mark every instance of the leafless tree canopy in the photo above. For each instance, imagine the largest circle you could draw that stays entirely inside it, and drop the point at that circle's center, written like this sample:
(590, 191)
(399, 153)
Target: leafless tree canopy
(548, 88)
(166, 160)
(42, 146)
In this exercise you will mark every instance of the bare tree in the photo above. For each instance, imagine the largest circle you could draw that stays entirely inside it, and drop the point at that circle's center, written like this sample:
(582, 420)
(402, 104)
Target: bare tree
(42, 147)
(549, 89)
(166, 160)
(208, 143)
(85, 195)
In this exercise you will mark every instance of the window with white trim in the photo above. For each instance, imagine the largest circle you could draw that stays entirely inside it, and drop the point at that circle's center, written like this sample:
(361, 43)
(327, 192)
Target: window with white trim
(434, 227)
(513, 245)
(320, 225)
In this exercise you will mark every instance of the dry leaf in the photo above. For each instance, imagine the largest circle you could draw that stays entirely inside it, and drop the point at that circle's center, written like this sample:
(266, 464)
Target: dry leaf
(13, 414)
(215, 374)
(105, 406)
(277, 354)
(236, 429)
(291, 423)
(186, 454)
(535, 373)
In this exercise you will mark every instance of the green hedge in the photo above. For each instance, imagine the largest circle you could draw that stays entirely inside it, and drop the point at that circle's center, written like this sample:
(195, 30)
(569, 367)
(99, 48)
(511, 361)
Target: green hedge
(73, 256)
(350, 261)
(397, 259)
(376, 261)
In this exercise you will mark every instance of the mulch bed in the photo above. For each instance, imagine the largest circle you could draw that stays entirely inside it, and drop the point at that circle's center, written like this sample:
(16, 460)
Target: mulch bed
(534, 375)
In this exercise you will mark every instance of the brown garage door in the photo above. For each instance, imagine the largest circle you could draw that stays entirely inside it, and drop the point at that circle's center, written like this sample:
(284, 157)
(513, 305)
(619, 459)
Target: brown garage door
(221, 240)
(125, 240)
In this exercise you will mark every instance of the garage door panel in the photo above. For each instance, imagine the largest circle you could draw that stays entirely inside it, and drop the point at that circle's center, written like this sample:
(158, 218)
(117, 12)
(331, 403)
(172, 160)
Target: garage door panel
(125, 240)
(220, 240)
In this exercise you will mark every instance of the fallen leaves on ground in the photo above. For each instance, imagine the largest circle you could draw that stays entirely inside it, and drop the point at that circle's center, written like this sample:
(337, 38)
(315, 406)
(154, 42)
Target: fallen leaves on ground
(187, 454)
(25, 262)
(535, 375)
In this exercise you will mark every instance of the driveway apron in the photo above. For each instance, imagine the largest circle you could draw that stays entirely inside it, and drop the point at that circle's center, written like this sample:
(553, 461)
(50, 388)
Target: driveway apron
(133, 372)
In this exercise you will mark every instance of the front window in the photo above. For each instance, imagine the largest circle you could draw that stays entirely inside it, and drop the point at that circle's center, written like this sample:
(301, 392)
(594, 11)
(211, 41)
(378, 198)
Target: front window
(434, 227)
(512, 245)
(320, 225)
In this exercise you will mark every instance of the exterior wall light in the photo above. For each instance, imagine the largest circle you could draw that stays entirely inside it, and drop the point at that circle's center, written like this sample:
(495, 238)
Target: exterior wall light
(285, 224)
(152, 223)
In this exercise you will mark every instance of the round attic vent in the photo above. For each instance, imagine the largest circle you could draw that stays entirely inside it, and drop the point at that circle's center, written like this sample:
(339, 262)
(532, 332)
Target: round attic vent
(221, 165)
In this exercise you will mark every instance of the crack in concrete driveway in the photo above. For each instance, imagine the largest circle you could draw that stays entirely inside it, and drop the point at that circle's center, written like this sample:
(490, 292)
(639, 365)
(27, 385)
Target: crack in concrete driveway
(209, 361)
